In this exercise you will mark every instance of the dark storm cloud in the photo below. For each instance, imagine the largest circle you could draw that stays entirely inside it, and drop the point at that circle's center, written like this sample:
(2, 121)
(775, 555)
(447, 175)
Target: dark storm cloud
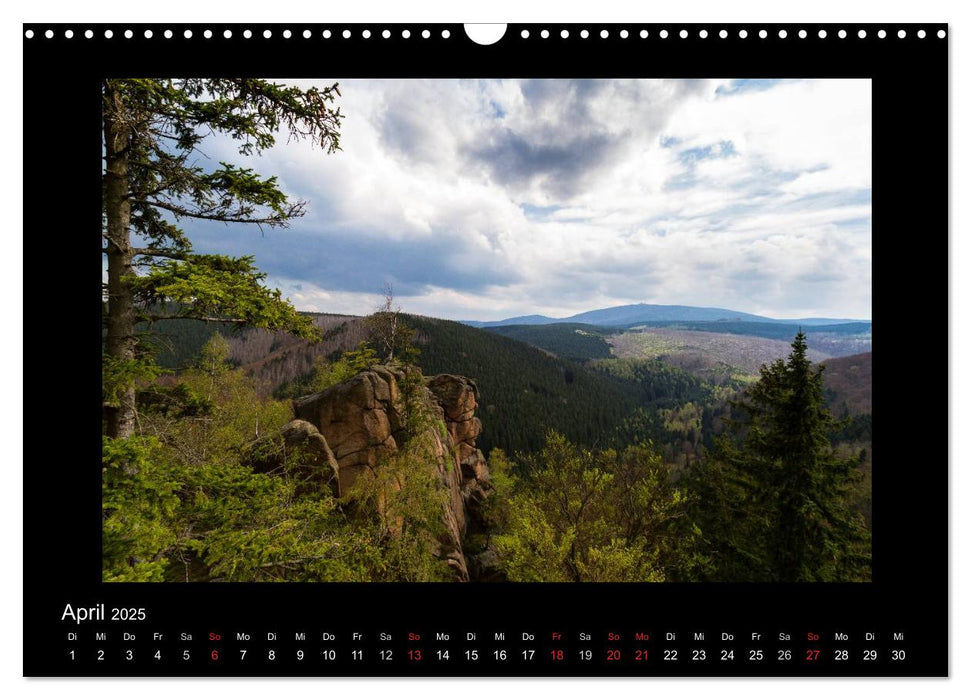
(573, 138)
(513, 160)
(351, 261)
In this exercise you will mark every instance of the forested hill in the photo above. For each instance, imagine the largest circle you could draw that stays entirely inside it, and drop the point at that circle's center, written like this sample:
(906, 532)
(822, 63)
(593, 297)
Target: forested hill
(575, 385)
(524, 391)
(848, 381)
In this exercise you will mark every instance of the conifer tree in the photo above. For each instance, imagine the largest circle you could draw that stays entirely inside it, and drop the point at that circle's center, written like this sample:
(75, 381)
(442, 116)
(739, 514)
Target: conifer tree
(155, 176)
(787, 485)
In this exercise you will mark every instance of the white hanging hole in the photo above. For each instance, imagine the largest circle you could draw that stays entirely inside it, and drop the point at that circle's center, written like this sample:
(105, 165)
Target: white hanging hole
(604, 33)
(109, 33)
(425, 33)
(683, 34)
(287, 34)
(446, 34)
(564, 34)
(307, 34)
(30, 33)
(88, 34)
(366, 34)
(861, 33)
(247, 33)
(783, 33)
(802, 34)
(584, 33)
(485, 34)
(902, 34)
(386, 34)
(167, 34)
(941, 34)
(703, 33)
(524, 34)
(148, 33)
(49, 33)
(664, 34)
(405, 34)
(129, 33)
(921, 34)
(882, 34)
(723, 34)
(545, 34)
(643, 34)
(763, 34)
(624, 34)
(228, 34)
(822, 33)
(187, 33)
(326, 34)
(68, 34)
(267, 33)
(207, 34)
(842, 34)
(742, 34)
(346, 34)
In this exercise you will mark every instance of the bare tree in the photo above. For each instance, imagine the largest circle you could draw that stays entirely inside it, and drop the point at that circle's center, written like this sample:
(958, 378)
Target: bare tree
(387, 329)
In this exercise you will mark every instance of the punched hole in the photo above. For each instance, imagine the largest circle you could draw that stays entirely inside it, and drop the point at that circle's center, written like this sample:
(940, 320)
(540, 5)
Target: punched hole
(485, 34)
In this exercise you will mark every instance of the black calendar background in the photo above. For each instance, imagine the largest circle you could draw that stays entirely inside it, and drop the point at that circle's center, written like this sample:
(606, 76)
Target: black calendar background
(62, 515)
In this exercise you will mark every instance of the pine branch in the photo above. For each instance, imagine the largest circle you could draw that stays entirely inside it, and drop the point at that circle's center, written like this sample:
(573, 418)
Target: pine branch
(229, 218)
(161, 253)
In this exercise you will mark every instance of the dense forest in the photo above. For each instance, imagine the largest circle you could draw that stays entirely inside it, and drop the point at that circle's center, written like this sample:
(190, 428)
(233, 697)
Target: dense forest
(662, 475)
(243, 440)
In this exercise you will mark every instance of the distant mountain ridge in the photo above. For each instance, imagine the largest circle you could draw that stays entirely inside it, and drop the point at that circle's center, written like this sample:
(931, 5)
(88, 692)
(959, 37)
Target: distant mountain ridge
(633, 314)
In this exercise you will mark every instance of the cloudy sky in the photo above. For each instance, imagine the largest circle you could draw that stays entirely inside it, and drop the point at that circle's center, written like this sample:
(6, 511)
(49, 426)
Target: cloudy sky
(486, 199)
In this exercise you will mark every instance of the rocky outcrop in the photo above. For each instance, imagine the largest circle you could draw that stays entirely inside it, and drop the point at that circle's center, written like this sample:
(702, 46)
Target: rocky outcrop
(359, 419)
(364, 421)
(300, 449)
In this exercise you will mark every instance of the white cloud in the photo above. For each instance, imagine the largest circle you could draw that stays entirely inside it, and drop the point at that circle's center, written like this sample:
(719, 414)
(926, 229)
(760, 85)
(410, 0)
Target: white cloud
(486, 199)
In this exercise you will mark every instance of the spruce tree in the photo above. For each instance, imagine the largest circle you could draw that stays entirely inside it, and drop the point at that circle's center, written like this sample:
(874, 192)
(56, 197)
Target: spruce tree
(156, 176)
(776, 500)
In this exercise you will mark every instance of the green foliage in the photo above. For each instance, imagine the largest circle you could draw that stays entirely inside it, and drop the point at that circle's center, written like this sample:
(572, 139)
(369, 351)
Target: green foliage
(326, 374)
(777, 504)
(176, 343)
(577, 515)
(359, 360)
(166, 520)
(117, 373)
(218, 288)
(139, 502)
(254, 527)
(213, 410)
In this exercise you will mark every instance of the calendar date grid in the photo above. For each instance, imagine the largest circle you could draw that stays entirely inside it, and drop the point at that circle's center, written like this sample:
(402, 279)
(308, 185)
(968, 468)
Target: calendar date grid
(317, 651)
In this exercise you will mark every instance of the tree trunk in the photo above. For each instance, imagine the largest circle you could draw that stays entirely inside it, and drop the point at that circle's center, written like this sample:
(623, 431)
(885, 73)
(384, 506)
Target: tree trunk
(120, 342)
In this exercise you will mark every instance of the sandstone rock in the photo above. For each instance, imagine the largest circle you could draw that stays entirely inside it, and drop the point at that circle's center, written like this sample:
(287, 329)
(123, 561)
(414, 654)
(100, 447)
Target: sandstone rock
(300, 448)
(362, 421)
(358, 418)
(458, 396)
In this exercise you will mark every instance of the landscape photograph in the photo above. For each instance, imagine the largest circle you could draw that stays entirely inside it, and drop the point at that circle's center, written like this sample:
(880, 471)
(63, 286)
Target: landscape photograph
(490, 331)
